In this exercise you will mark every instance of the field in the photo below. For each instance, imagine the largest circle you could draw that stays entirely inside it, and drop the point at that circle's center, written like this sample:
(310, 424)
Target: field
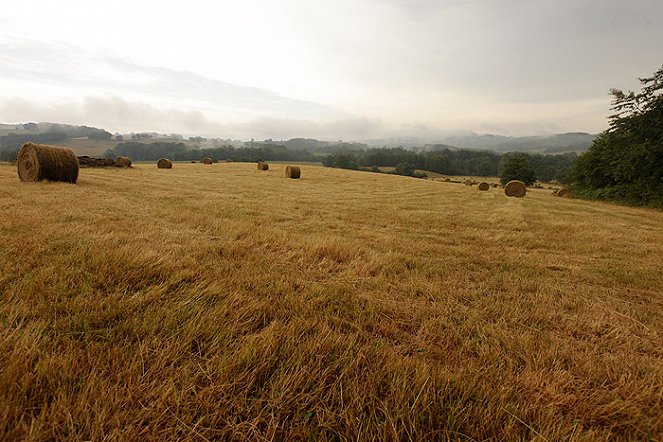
(221, 302)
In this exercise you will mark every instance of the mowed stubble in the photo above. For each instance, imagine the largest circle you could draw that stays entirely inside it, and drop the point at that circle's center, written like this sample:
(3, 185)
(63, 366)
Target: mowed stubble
(226, 302)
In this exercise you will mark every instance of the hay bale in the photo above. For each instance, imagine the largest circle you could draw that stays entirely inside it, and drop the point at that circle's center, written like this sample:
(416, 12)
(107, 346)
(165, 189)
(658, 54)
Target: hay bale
(564, 193)
(86, 161)
(292, 172)
(447, 180)
(484, 186)
(263, 166)
(468, 182)
(193, 161)
(122, 162)
(206, 160)
(515, 189)
(164, 163)
(38, 162)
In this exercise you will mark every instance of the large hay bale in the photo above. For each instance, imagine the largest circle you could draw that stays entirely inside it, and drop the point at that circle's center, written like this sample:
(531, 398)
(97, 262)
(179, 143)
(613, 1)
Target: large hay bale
(38, 162)
(515, 189)
(122, 162)
(207, 160)
(484, 186)
(292, 172)
(468, 182)
(263, 166)
(164, 163)
(564, 193)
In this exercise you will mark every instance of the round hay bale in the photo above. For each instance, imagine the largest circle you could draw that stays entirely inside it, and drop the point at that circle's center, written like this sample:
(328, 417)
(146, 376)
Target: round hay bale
(193, 161)
(292, 172)
(515, 189)
(38, 162)
(164, 163)
(263, 166)
(564, 193)
(447, 180)
(468, 182)
(122, 162)
(484, 186)
(206, 160)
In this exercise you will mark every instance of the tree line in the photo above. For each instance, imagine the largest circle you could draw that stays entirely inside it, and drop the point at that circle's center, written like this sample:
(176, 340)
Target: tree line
(454, 162)
(181, 152)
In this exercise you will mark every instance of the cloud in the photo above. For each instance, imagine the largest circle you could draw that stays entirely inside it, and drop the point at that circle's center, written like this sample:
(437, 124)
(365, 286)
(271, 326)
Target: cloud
(76, 71)
(116, 114)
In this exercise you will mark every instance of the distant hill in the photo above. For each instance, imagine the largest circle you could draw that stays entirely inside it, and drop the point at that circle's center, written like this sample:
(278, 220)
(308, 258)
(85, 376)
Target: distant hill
(558, 143)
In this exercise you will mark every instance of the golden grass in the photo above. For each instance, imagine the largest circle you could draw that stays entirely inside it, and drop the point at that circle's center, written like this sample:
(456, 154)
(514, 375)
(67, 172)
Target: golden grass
(230, 303)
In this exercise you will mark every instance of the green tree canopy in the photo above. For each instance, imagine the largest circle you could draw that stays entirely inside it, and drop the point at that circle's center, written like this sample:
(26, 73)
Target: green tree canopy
(517, 167)
(626, 162)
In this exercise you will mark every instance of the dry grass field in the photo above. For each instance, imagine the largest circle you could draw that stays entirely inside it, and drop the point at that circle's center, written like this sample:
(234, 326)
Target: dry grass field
(214, 302)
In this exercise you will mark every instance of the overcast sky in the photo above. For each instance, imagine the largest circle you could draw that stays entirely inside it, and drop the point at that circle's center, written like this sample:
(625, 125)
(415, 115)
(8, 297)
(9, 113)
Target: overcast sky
(351, 69)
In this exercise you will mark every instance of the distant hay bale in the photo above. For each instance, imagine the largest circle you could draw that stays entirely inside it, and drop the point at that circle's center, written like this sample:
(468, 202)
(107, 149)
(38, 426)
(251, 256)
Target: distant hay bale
(515, 189)
(564, 193)
(447, 180)
(193, 161)
(122, 162)
(206, 160)
(263, 166)
(292, 172)
(164, 163)
(484, 186)
(468, 182)
(38, 162)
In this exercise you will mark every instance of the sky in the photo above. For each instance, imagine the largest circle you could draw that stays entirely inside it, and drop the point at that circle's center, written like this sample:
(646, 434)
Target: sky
(342, 69)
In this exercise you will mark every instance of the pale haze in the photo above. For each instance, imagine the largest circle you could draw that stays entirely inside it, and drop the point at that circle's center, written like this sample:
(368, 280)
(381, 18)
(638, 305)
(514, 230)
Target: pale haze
(328, 69)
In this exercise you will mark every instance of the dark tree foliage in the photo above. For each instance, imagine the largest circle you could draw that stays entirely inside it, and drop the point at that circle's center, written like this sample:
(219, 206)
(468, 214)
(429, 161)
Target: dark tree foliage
(180, 152)
(517, 167)
(625, 163)
(11, 143)
(452, 162)
(340, 162)
(406, 169)
(100, 135)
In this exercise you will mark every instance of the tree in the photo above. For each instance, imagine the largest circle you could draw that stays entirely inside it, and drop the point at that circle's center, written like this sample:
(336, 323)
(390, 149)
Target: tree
(517, 167)
(406, 169)
(626, 162)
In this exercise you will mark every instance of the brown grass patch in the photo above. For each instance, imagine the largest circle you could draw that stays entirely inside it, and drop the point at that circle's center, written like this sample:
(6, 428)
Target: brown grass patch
(351, 306)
